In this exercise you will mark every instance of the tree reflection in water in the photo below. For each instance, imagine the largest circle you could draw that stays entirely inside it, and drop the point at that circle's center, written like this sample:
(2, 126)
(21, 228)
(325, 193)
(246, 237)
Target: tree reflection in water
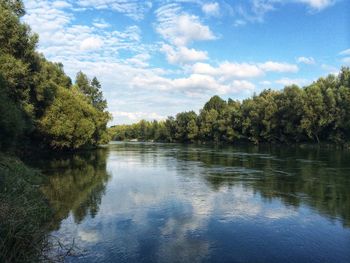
(76, 184)
(318, 177)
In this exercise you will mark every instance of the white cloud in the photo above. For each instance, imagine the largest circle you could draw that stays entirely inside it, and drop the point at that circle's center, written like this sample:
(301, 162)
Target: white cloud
(44, 18)
(228, 70)
(211, 9)
(100, 23)
(288, 81)
(195, 84)
(346, 60)
(139, 60)
(256, 10)
(318, 4)
(61, 4)
(239, 22)
(330, 69)
(91, 43)
(183, 55)
(345, 52)
(133, 8)
(265, 82)
(306, 60)
(181, 28)
(61, 39)
(134, 116)
(278, 67)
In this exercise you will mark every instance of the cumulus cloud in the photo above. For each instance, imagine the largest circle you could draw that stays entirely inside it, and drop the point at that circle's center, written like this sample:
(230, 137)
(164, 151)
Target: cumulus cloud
(183, 55)
(134, 116)
(91, 43)
(255, 10)
(139, 60)
(306, 60)
(228, 70)
(265, 82)
(318, 4)
(100, 23)
(346, 60)
(180, 28)
(193, 85)
(60, 38)
(278, 67)
(133, 8)
(211, 9)
(61, 4)
(197, 83)
(345, 52)
(289, 81)
(45, 18)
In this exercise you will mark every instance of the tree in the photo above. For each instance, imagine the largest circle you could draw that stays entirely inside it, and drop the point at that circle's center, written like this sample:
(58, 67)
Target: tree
(15, 5)
(92, 90)
(83, 84)
(33, 91)
(208, 125)
(290, 105)
(215, 103)
(12, 121)
(96, 96)
(185, 126)
(70, 122)
(315, 115)
(229, 122)
(318, 112)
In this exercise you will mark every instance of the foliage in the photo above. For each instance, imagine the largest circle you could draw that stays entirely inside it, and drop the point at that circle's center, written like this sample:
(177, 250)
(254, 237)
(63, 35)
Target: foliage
(69, 121)
(38, 102)
(24, 213)
(319, 112)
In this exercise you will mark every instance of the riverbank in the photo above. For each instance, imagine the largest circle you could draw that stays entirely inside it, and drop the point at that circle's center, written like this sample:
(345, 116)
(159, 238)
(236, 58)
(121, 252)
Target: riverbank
(24, 212)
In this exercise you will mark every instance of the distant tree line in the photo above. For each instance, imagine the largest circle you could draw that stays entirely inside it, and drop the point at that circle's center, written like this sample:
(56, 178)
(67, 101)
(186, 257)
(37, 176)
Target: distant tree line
(38, 102)
(319, 112)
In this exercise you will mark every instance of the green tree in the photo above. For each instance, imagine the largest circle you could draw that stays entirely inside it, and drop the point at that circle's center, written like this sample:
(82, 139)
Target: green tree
(70, 122)
(208, 125)
(96, 96)
(12, 121)
(185, 126)
(215, 103)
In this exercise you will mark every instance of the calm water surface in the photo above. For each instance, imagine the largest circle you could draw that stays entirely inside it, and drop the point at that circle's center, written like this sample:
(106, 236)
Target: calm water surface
(143, 202)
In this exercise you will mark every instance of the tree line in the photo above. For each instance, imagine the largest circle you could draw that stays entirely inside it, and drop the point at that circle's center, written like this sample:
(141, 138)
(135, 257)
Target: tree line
(39, 104)
(319, 112)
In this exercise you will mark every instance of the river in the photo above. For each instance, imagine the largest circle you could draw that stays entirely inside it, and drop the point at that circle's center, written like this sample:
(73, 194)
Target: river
(149, 202)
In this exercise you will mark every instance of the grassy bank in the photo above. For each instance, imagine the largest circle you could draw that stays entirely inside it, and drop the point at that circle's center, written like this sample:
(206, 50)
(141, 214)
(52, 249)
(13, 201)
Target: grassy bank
(24, 213)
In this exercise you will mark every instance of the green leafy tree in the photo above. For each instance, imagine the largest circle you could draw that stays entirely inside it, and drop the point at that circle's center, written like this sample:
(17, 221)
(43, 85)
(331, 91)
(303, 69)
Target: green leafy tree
(96, 96)
(208, 125)
(70, 122)
(319, 112)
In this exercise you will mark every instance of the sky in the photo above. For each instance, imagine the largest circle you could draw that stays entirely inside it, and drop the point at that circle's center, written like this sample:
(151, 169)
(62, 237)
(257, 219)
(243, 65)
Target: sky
(157, 58)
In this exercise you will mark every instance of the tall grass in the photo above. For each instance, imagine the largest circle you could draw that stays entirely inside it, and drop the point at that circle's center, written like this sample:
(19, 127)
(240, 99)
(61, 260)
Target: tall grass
(24, 213)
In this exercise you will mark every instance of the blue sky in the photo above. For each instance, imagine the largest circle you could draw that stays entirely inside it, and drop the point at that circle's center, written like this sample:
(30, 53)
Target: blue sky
(157, 58)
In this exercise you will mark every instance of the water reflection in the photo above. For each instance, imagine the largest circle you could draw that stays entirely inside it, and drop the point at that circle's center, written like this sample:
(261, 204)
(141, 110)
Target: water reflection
(76, 184)
(175, 203)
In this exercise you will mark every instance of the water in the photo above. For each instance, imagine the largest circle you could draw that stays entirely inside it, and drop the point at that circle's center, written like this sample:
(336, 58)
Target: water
(143, 202)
